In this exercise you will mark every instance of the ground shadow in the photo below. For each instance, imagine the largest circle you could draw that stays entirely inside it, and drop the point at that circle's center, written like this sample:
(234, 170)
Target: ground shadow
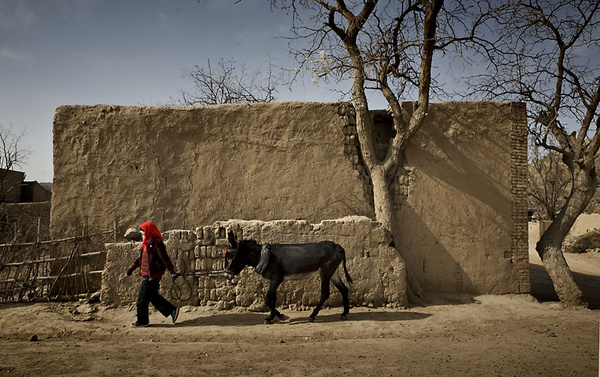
(254, 319)
(435, 299)
(543, 290)
(225, 319)
(365, 316)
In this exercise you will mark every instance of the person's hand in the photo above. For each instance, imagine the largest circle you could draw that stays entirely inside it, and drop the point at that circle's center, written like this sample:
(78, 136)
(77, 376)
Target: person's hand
(175, 275)
(129, 271)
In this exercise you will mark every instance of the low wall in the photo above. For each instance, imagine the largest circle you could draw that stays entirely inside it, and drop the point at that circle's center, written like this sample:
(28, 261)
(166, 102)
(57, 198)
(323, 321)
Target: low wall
(377, 269)
(586, 222)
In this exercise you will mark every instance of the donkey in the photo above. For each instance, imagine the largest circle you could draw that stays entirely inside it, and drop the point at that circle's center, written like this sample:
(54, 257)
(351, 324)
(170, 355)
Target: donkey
(279, 262)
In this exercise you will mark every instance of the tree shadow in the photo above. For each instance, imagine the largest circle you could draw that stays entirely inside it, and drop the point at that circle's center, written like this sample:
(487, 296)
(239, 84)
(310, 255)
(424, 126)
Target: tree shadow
(543, 290)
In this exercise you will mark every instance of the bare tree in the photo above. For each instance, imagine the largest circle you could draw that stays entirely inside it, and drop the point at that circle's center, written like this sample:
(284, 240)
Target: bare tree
(230, 82)
(385, 47)
(12, 155)
(549, 183)
(371, 43)
(546, 54)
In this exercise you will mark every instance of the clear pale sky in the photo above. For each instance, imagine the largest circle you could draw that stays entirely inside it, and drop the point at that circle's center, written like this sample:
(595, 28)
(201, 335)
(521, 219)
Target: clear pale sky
(124, 52)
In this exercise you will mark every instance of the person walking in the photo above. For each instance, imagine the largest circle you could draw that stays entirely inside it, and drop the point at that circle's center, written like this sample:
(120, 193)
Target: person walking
(153, 262)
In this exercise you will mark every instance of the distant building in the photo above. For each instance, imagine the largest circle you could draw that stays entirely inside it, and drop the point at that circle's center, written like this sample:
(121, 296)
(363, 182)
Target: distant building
(14, 188)
(10, 185)
(32, 191)
(24, 208)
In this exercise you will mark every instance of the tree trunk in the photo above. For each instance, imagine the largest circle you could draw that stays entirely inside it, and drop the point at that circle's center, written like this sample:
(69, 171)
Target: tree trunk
(381, 197)
(550, 245)
(378, 170)
(562, 278)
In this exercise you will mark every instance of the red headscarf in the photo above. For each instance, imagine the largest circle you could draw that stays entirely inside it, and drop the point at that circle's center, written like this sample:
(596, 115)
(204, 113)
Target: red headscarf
(147, 266)
(150, 230)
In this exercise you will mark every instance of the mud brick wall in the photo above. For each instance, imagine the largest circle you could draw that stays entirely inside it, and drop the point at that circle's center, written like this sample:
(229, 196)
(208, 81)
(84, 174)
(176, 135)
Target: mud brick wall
(459, 200)
(376, 268)
(184, 166)
(461, 206)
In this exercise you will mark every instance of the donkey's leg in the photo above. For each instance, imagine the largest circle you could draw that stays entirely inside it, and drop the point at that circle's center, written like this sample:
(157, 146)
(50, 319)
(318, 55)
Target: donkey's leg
(324, 296)
(335, 279)
(271, 301)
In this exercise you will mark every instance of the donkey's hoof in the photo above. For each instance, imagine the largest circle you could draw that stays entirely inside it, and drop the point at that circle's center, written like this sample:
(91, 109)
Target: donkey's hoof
(311, 319)
(284, 317)
(343, 317)
(268, 321)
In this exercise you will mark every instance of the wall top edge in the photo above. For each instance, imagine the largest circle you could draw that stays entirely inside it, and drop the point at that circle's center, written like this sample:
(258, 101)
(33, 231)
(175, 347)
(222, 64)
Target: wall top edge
(114, 107)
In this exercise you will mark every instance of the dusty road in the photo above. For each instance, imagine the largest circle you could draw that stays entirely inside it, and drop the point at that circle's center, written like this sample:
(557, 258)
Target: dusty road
(452, 336)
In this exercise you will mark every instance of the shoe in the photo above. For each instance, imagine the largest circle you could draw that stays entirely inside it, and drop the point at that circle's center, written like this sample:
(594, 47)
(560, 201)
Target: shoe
(175, 314)
(136, 324)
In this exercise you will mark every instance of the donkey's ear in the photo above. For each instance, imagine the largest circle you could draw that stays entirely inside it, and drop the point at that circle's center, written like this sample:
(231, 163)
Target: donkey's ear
(231, 239)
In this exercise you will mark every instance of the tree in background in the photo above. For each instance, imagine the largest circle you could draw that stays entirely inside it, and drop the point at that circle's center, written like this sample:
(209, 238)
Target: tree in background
(230, 82)
(12, 155)
(546, 54)
(548, 182)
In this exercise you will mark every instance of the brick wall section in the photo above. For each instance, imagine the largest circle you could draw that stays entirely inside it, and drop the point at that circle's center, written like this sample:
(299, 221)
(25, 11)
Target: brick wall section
(353, 153)
(507, 198)
(518, 178)
(377, 269)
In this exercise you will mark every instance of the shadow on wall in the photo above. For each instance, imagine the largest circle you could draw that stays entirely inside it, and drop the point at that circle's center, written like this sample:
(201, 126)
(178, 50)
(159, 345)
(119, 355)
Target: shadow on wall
(461, 174)
(427, 259)
(467, 174)
(440, 150)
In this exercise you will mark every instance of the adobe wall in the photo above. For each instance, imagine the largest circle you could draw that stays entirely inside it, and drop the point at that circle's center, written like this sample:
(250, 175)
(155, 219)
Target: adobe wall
(184, 166)
(586, 222)
(461, 210)
(461, 220)
(376, 268)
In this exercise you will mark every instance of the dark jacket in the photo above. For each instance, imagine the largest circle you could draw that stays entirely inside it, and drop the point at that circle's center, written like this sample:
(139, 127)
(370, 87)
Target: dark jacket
(157, 259)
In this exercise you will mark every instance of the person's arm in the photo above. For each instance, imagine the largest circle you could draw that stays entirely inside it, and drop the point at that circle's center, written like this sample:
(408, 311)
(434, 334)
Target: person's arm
(135, 265)
(164, 257)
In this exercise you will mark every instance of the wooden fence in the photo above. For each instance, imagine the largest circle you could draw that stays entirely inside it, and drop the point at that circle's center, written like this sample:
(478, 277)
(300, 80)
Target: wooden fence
(67, 268)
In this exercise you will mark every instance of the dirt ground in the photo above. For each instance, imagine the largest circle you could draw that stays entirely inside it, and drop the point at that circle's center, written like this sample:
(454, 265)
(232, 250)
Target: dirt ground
(514, 335)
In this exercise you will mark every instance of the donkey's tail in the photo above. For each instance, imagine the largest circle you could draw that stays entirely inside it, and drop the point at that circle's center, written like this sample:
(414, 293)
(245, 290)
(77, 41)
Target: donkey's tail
(348, 278)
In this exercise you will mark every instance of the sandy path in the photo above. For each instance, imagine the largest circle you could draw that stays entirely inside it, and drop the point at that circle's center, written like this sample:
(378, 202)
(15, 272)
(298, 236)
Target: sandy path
(454, 335)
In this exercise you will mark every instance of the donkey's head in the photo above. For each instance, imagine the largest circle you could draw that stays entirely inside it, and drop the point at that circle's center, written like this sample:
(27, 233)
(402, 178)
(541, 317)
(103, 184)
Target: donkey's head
(240, 255)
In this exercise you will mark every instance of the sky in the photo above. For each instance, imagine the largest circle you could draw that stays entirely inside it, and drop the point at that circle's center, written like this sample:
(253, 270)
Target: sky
(123, 52)
(131, 53)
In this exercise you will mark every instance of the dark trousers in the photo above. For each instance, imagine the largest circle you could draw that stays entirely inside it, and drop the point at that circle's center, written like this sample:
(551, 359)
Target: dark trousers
(149, 294)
